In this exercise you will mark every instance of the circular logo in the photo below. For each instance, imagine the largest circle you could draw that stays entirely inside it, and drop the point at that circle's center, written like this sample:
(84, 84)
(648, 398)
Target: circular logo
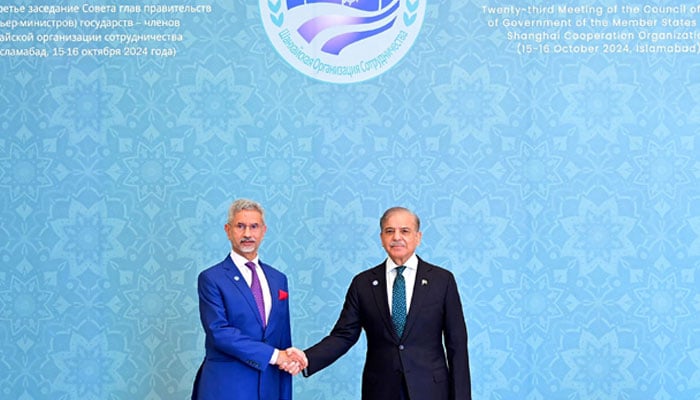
(342, 41)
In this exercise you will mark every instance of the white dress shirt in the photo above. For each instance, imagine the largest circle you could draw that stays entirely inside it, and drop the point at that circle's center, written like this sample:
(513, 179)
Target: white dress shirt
(409, 275)
(248, 277)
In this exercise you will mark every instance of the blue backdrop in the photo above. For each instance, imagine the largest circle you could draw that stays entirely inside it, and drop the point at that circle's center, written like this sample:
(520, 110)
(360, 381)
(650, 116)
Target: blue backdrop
(561, 189)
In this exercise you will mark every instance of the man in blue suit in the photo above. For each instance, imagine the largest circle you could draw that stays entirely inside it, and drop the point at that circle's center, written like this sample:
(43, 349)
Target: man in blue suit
(244, 309)
(412, 316)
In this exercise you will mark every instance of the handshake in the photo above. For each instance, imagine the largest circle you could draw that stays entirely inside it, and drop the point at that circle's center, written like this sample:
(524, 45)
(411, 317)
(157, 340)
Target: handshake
(292, 360)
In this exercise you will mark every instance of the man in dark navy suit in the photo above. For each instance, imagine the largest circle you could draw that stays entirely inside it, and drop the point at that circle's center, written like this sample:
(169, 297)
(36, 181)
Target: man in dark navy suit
(412, 316)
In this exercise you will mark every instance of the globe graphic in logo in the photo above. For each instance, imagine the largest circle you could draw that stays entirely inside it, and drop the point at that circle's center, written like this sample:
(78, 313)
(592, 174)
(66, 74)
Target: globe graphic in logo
(342, 41)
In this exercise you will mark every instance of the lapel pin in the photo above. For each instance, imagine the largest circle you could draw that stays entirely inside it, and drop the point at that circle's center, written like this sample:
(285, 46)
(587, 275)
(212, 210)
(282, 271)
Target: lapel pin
(236, 278)
(375, 282)
(424, 282)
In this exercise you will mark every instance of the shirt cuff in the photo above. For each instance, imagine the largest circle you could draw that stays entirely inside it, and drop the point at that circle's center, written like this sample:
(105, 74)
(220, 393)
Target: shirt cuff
(275, 354)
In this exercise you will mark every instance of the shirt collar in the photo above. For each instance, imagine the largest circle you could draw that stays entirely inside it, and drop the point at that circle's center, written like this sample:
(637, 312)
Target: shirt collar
(411, 263)
(240, 261)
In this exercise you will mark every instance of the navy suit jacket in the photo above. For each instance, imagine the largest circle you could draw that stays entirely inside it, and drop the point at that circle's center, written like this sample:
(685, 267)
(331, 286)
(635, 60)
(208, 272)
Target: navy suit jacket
(431, 368)
(238, 348)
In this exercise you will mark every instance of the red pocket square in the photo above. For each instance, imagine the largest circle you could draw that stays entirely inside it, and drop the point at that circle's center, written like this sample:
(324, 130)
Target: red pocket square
(283, 295)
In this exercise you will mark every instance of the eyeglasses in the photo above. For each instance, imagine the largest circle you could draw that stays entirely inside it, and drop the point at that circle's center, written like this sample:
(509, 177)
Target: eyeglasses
(240, 228)
(402, 231)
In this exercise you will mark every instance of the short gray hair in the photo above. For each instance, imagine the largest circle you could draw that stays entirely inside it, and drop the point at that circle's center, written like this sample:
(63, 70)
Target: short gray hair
(392, 210)
(245, 204)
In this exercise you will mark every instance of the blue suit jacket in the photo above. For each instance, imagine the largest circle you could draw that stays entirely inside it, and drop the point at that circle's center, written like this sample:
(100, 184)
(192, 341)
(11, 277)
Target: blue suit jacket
(431, 356)
(238, 349)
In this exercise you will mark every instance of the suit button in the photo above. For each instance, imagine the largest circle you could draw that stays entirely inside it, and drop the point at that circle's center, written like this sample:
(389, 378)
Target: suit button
(401, 347)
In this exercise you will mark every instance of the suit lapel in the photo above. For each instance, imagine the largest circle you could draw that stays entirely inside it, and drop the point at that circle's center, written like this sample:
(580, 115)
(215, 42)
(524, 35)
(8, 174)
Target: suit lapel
(239, 283)
(377, 282)
(421, 289)
(275, 286)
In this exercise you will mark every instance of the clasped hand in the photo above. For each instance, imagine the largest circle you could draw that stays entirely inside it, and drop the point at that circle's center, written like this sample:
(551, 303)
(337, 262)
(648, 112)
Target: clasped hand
(292, 360)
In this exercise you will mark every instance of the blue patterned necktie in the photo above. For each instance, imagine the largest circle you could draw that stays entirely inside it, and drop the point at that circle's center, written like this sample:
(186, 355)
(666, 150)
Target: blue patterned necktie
(398, 301)
(257, 292)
